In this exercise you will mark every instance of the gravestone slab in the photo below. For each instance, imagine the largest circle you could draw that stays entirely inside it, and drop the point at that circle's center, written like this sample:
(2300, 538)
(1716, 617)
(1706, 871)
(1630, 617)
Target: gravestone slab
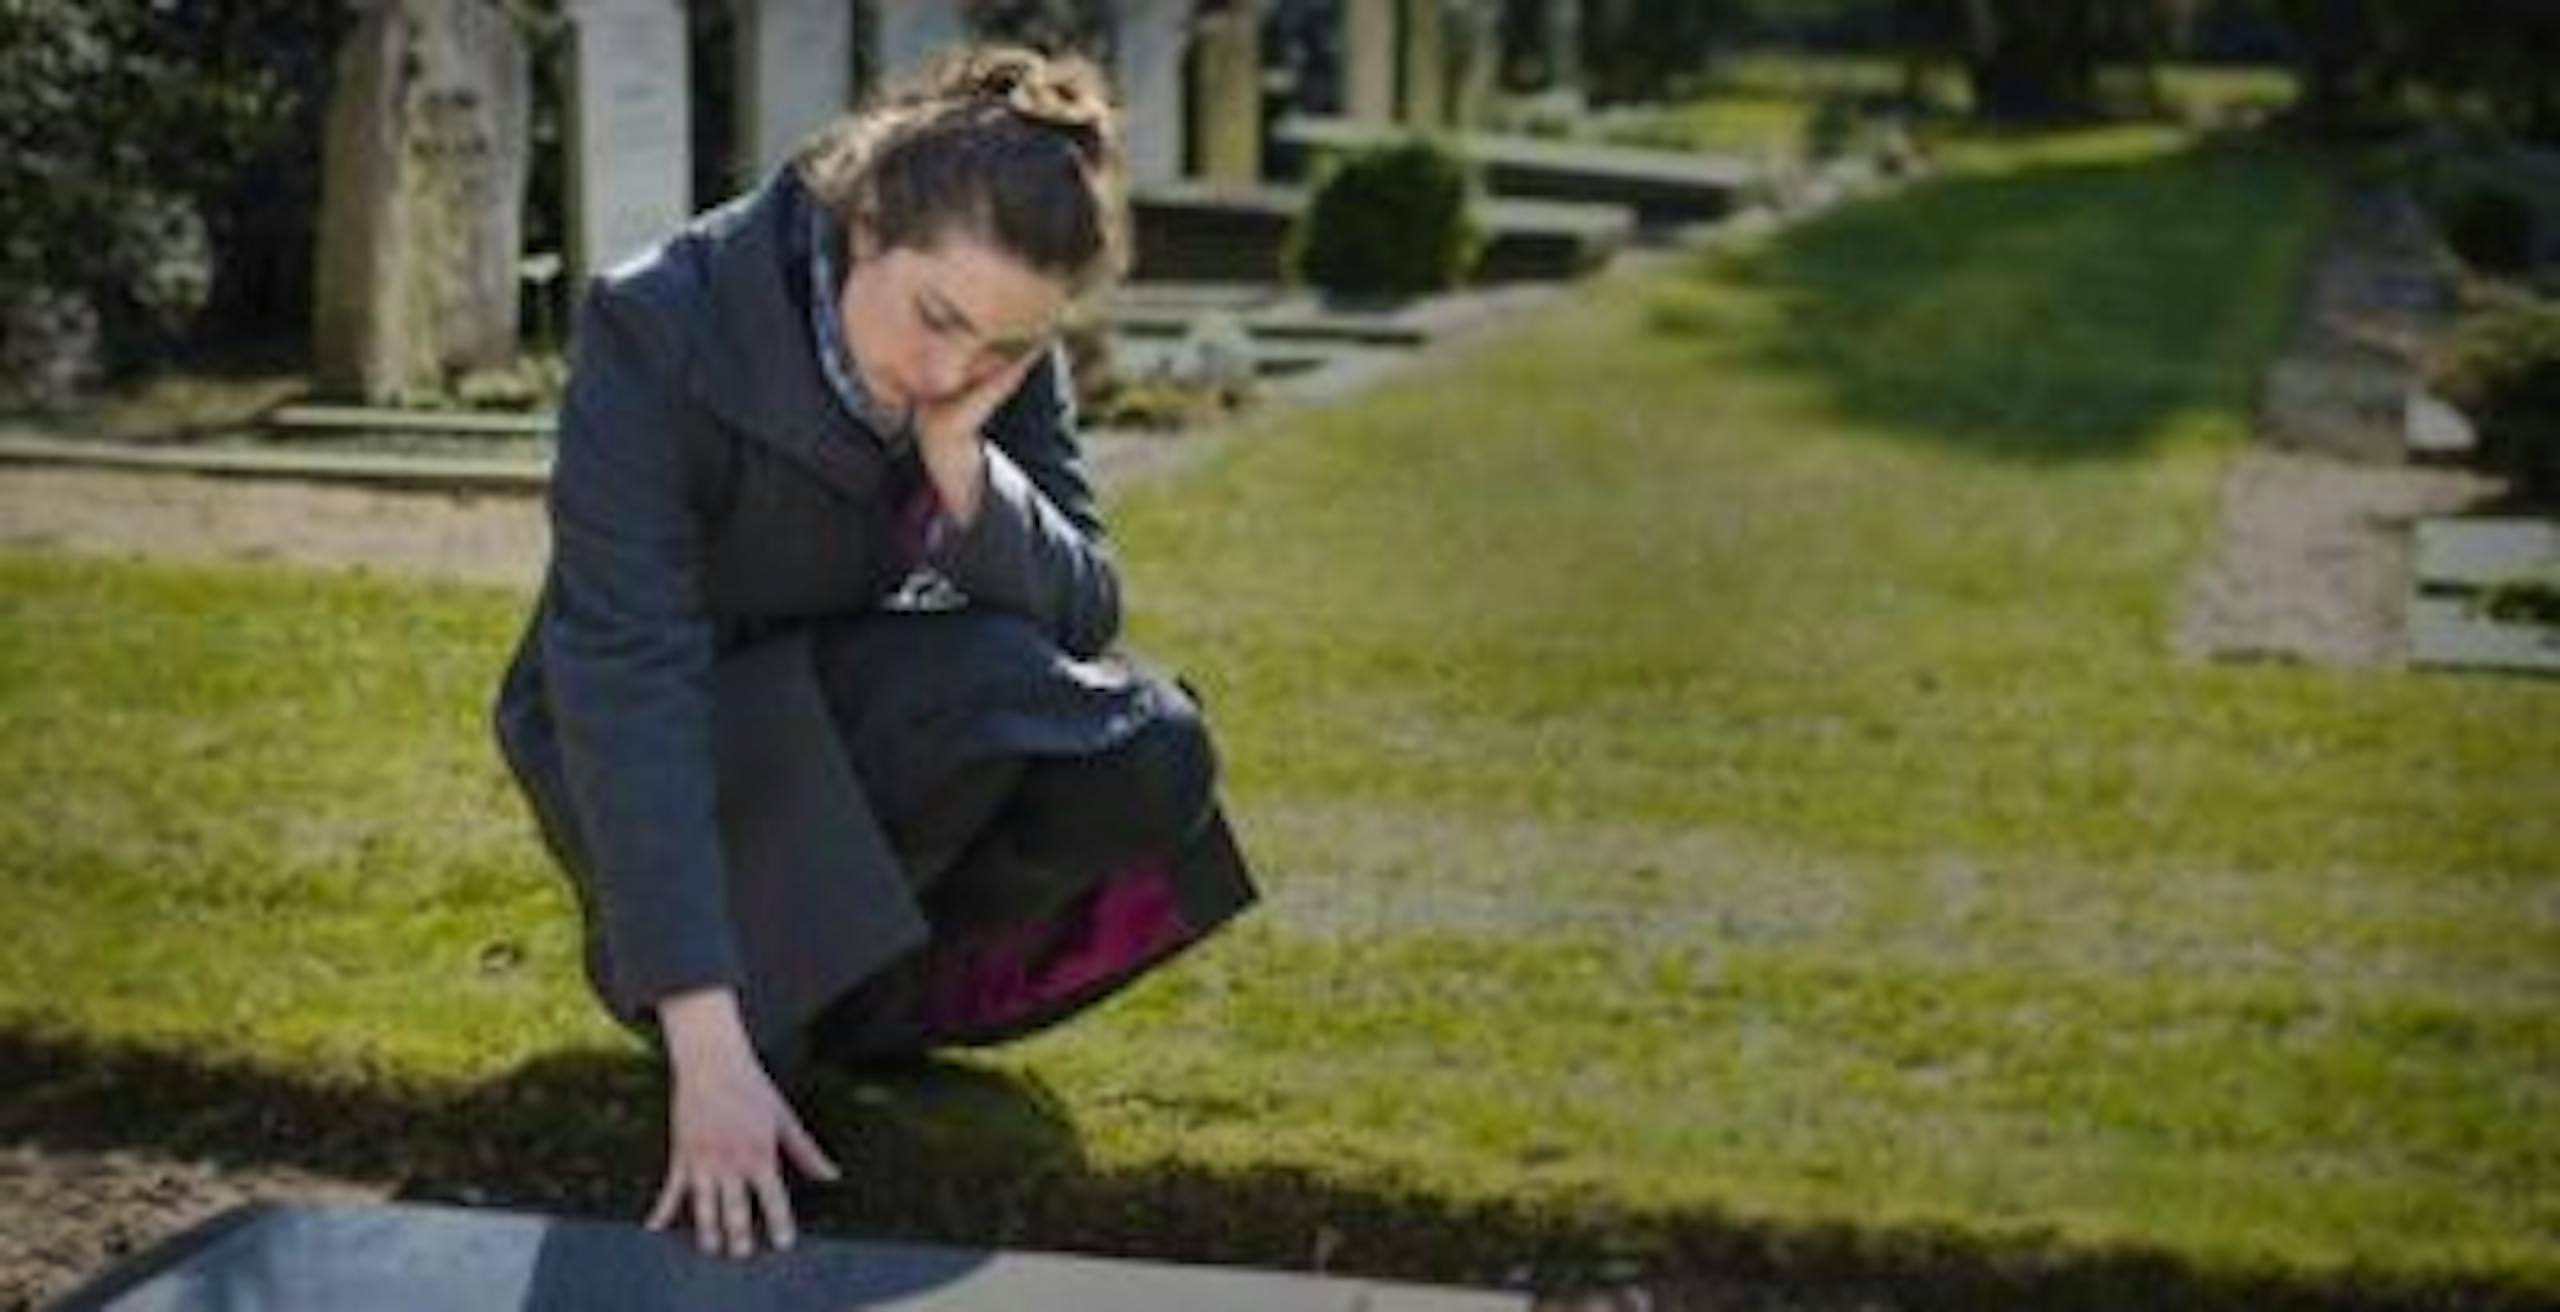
(429, 1259)
(795, 72)
(2484, 553)
(1423, 55)
(422, 197)
(1369, 60)
(630, 134)
(1148, 57)
(909, 33)
(2458, 633)
(1227, 54)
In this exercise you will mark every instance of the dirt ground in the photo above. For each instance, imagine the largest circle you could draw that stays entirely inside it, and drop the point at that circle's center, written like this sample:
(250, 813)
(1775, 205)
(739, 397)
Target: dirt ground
(67, 1214)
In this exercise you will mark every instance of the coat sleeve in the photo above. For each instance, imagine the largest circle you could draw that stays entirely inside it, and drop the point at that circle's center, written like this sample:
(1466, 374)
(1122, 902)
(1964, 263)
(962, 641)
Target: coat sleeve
(627, 651)
(1037, 545)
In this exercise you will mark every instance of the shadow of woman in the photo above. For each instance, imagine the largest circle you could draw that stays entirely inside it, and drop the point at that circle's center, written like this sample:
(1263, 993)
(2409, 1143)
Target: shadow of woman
(933, 1147)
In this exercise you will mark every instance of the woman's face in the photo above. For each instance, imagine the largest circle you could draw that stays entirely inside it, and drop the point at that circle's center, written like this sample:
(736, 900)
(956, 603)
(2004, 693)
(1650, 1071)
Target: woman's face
(926, 324)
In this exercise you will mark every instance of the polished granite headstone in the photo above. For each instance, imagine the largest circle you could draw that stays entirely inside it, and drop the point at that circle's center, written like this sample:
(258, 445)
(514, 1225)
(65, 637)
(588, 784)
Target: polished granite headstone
(438, 1259)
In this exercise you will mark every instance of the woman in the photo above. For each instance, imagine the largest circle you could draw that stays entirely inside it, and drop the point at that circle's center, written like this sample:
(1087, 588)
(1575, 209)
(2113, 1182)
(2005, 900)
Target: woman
(816, 707)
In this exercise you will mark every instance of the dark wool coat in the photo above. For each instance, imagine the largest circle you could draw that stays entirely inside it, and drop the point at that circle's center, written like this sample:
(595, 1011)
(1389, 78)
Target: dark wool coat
(712, 503)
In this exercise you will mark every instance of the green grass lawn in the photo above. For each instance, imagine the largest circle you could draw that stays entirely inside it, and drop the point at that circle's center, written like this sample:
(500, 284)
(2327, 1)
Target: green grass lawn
(1727, 800)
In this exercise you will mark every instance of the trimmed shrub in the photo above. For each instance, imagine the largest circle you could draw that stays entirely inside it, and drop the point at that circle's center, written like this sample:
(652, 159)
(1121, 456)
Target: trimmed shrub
(2501, 365)
(1395, 221)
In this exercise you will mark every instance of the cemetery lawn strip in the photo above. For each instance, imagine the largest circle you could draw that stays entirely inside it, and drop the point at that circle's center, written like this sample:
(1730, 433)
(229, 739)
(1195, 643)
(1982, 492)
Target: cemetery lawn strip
(1726, 800)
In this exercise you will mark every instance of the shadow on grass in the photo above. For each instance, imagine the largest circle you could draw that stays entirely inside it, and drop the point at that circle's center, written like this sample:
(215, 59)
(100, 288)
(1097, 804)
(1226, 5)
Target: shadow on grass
(949, 1153)
(2055, 313)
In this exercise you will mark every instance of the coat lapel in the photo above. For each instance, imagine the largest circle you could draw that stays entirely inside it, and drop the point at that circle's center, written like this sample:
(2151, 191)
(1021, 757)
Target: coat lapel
(757, 367)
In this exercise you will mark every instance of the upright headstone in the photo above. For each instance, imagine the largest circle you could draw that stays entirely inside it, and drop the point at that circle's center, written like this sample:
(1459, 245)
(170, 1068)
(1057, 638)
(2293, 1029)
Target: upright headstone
(422, 198)
(1425, 103)
(795, 72)
(630, 136)
(1147, 53)
(911, 32)
(1369, 60)
(1226, 54)
(1475, 60)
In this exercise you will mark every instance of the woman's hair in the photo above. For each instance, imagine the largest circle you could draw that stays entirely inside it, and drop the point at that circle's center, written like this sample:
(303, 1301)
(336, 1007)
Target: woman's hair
(1015, 148)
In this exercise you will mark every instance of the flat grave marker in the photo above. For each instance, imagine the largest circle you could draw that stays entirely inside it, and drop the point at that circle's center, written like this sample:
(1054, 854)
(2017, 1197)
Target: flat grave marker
(409, 1258)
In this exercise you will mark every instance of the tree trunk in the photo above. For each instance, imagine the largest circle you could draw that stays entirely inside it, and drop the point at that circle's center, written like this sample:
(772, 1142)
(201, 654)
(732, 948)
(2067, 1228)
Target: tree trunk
(2032, 60)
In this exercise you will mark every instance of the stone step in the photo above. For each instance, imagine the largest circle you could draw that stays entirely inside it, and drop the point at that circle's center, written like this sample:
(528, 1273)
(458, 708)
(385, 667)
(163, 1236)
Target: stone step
(1661, 186)
(2487, 553)
(2453, 633)
(338, 419)
(1192, 231)
(2437, 431)
(497, 474)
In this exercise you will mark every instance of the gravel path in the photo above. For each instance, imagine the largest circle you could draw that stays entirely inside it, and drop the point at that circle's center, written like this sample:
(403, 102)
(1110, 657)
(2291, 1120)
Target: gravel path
(2312, 557)
(66, 1214)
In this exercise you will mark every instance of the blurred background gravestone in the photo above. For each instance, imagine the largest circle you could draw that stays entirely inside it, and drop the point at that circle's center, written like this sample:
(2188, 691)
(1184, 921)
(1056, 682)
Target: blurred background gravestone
(1369, 60)
(910, 32)
(422, 197)
(1227, 101)
(629, 139)
(1148, 52)
(795, 72)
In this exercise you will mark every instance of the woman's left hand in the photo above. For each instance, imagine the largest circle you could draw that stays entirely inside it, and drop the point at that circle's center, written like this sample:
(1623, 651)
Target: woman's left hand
(947, 436)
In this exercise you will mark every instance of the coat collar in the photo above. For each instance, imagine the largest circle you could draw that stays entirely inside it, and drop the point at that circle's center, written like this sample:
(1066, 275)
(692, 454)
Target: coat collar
(756, 362)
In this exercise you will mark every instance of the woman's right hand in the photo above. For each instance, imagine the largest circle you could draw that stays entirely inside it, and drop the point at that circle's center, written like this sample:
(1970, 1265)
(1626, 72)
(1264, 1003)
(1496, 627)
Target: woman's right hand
(728, 1131)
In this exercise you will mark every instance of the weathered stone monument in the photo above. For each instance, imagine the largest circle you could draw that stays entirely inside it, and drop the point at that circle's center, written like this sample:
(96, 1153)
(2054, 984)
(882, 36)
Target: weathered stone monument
(909, 32)
(630, 136)
(1147, 59)
(422, 197)
(1226, 55)
(429, 1259)
(795, 72)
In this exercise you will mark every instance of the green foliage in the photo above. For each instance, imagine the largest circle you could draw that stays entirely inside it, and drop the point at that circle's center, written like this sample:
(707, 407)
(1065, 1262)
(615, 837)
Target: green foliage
(2502, 367)
(2368, 63)
(2491, 225)
(160, 161)
(1644, 50)
(1395, 221)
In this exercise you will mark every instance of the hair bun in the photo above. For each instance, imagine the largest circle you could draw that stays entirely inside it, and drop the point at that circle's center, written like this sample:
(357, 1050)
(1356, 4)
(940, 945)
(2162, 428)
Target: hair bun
(1057, 93)
(1057, 102)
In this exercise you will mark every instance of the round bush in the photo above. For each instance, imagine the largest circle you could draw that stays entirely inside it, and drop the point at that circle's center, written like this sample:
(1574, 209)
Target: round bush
(1389, 222)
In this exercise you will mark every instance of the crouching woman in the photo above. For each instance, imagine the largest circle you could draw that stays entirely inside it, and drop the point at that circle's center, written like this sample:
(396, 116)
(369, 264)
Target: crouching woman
(818, 706)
